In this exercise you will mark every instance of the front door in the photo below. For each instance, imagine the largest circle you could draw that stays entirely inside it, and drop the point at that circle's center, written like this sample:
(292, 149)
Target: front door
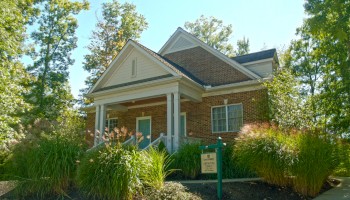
(144, 126)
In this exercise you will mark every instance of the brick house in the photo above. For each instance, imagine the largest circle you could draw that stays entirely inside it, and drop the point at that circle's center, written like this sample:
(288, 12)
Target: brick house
(186, 90)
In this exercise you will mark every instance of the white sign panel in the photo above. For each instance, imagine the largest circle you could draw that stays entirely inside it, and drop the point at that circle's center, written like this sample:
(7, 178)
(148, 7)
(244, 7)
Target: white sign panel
(208, 163)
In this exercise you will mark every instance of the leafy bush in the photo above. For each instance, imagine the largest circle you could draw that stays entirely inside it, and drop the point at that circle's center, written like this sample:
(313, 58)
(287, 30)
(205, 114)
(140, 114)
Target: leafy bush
(302, 158)
(188, 160)
(156, 165)
(231, 167)
(265, 151)
(343, 169)
(111, 173)
(315, 161)
(171, 191)
(46, 166)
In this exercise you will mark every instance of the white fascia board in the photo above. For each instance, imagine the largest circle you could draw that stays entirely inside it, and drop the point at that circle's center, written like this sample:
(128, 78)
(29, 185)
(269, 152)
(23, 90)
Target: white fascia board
(236, 85)
(135, 86)
(257, 61)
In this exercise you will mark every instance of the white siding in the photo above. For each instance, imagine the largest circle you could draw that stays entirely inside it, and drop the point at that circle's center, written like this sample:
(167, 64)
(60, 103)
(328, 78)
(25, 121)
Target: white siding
(145, 67)
(180, 44)
(262, 69)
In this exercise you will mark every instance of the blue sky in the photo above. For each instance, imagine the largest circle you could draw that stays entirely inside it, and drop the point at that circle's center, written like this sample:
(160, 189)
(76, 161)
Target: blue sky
(267, 23)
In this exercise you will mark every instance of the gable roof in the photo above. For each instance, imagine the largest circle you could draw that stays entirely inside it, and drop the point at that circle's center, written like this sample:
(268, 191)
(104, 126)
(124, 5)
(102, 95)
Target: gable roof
(177, 68)
(181, 32)
(251, 57)
(173, 68)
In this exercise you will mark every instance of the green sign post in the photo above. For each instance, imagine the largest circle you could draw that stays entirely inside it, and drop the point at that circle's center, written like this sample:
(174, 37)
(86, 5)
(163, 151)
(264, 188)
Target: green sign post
(218, 147)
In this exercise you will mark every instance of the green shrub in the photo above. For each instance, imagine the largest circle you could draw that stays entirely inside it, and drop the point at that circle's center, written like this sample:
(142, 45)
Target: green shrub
(46, 166)
(304, 159)
(343, 169)
(171, 191)
(264, 150)
(188, 160)
(231, 167)
(315, 161)
(111, 173)
(155, 170)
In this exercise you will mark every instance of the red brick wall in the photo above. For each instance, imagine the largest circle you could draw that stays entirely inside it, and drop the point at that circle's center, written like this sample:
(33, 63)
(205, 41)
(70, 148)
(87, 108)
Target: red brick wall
(206, 66)
(198, 115)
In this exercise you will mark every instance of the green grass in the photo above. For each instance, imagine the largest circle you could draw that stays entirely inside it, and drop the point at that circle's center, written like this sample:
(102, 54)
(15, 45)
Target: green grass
(111, 173)
(265, 151)
(45, 167)
(316, 160)
(231, 168)
(156, 166)
(188, 161)
(302, 159)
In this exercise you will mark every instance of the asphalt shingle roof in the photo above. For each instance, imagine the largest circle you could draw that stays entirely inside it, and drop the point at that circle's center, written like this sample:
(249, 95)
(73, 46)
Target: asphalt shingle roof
(270, 53)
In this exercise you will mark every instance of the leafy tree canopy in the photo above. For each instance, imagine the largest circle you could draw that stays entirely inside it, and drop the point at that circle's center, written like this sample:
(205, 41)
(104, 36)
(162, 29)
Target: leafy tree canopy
(119, 23)
(54, 41)
(213, 32)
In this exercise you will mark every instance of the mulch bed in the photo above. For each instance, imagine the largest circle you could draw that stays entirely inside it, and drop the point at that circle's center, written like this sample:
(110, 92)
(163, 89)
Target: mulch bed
(237, 190)
(251, 190)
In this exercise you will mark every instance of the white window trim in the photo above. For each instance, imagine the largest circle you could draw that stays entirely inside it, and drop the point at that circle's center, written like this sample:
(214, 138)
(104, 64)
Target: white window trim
(212, 120)
(109, 122)
(150, 125)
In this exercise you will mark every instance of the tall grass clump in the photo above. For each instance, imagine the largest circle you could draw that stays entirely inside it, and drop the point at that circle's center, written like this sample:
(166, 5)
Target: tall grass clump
(46, 166)
(231, 168)
(187, 160)
(111, 173)
(266, 151)
(316, 159)
(155, 168)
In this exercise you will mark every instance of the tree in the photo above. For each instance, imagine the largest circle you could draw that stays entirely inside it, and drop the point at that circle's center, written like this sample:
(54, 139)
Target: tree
(243, 47)
(329, 25)
(54, 39)
(14, 15)
(212, 32)
(119, 23)
(287, 108)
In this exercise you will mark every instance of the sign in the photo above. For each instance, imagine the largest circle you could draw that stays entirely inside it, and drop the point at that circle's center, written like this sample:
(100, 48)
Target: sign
(208, 163)
(212, 165)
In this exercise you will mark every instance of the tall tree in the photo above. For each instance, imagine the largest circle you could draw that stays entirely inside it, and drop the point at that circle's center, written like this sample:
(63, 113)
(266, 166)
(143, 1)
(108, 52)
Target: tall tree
(329, 24)
(119, 23)
(14, 15)
(54, 39)
(242, 47)
(213, 32)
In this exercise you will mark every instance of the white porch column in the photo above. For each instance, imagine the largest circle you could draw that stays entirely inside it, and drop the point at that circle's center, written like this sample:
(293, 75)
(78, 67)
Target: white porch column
(97, 125)
(177, 123)
(169, 118)
(102, 121)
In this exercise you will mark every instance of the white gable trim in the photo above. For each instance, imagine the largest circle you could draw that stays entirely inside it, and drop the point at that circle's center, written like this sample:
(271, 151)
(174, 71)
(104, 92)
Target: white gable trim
(257, 61)
(210, 49)
(112, 67)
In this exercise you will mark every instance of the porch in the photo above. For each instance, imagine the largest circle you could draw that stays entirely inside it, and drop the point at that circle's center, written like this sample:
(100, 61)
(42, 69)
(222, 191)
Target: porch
(151, 111)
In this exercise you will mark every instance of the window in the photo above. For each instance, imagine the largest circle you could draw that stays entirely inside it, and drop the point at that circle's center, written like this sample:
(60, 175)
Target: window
(111, 123)
(133, 67)
(228, 118)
